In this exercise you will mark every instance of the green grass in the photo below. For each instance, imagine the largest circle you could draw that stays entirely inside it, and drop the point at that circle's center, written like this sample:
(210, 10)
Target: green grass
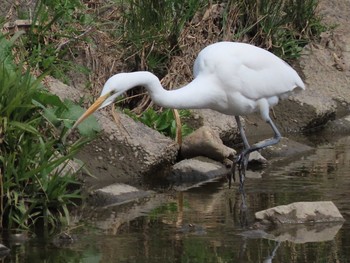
(57, 26)
(151, 30)
(283, 27)
(35, 186)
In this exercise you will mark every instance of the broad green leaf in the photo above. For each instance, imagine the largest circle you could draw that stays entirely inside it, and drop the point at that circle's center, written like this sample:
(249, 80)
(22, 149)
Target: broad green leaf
(88, 127)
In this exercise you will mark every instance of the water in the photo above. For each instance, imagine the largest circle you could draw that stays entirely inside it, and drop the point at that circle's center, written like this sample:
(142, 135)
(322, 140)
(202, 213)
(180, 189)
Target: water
(206, 224)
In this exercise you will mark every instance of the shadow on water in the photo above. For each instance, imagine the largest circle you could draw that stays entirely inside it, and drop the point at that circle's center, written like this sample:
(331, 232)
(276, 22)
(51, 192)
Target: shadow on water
(205, 224)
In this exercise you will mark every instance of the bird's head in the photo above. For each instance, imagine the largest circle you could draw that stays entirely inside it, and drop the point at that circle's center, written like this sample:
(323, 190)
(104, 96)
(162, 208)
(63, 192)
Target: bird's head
(114, 87)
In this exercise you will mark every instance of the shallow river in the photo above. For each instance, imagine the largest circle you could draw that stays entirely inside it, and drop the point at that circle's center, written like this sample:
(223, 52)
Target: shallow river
(206, 223)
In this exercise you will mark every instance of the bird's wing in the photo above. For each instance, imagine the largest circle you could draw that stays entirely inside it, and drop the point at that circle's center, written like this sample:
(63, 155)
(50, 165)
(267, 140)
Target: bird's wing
(275, 79)
(251, 71)
(259, 74)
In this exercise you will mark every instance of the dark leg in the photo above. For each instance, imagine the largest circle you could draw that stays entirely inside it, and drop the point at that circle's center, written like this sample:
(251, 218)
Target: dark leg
(243, 165)
(245, 146)
(243, 157)
(262, 144)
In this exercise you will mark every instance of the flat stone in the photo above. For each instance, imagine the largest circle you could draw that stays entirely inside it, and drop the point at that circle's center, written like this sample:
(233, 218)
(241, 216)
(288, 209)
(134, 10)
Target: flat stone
(285, 148)
(116, 194)
(196, 170)
(300, 213)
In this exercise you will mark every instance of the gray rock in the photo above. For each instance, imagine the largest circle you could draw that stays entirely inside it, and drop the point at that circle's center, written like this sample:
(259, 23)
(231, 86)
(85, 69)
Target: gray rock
(224, 125)
(110, 219)
(300, 213)
(206, 142)
(257, 157)
(196, 170)
(117, 156)
(285, 148)
(339, 127)
(123, 152)
(116, 194)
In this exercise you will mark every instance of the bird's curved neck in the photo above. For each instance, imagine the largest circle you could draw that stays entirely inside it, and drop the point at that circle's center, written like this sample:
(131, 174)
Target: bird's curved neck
(159, 95)
(181, 98)
(151, 82)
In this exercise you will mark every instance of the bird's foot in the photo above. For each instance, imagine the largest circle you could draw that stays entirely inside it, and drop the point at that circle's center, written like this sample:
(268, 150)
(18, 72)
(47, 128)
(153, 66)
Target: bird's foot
(242, 163)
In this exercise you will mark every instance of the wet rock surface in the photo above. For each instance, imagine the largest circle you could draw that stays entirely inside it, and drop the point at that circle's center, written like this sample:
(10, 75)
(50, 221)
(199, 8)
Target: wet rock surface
(189, 172)
(116, 194)
(299, 222)
(285, 148)
(301, 213)
(297, 233)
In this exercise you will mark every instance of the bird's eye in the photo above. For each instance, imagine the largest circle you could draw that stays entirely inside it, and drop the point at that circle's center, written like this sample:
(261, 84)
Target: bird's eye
(112, 92)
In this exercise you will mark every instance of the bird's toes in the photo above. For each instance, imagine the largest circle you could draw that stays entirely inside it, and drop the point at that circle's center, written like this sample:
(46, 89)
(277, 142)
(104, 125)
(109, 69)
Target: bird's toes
(240, 161)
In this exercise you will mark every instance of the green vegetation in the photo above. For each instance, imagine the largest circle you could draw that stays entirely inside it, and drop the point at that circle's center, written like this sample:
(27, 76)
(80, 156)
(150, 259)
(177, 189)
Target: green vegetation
(36, 185)
(56, 26)
(281, 26)
(163, 121)
(152, 28)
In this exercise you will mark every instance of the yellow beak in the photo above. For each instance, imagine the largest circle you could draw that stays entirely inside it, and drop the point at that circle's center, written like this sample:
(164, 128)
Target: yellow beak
(91, 109)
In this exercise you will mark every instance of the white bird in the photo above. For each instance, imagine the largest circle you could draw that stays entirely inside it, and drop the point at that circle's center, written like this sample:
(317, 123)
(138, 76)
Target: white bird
(229, 77)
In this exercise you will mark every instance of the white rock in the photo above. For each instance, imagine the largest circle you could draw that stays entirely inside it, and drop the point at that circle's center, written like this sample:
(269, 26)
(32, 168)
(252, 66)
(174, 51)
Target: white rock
(301, 212)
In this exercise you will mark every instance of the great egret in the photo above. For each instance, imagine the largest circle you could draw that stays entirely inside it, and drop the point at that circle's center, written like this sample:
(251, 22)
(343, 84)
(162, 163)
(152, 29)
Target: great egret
(229, 77)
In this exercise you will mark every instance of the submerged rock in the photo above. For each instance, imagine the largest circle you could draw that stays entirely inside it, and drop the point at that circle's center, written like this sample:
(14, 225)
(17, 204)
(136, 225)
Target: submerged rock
(300, 213)
(305, 233)
(117, 194)
(297, 233)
